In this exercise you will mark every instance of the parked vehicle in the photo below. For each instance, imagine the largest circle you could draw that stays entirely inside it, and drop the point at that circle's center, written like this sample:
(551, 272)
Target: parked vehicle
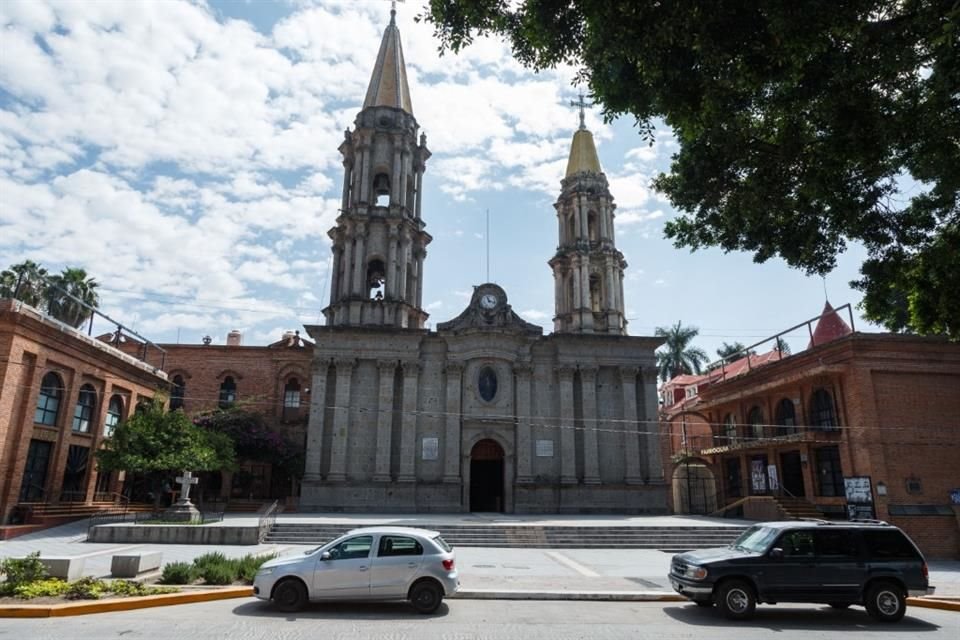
(869, 563)
(374, 563)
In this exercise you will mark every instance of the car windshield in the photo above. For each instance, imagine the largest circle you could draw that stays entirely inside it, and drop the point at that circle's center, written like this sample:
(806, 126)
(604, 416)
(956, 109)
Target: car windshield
(755, 539)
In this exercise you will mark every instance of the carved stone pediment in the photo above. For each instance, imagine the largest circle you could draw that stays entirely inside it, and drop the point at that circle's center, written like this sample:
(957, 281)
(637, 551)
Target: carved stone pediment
(488, 309)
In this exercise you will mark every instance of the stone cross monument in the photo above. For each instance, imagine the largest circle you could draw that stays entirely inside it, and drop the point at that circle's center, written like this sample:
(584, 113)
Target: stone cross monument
(183, 510)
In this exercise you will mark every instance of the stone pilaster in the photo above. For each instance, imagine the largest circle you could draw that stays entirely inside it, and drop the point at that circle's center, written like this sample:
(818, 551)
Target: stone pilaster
(392, 271)
(588, 390)
(408, 430)
(568, 454)
(522, 370)
(451, 455)
(387, 369)
(359, 262)
(631, 438)
(341, 420)
(318, 399)
(654, 466)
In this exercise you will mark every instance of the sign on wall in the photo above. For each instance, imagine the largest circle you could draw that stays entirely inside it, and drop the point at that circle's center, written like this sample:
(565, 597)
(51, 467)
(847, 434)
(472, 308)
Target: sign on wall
(431, 448)
(858, 490)
(955, 496)
(758, 476)
(772, 477)
(544, 448)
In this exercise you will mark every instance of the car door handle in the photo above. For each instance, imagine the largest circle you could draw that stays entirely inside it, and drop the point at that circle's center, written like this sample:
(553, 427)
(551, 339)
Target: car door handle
(363, 568)
(412, 565)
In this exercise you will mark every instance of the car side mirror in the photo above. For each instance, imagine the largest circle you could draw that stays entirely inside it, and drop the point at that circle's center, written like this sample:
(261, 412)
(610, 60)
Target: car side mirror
(325, 555)
(776, 553)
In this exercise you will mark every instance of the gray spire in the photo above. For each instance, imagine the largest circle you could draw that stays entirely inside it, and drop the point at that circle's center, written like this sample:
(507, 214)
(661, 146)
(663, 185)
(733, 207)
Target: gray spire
(388, 83)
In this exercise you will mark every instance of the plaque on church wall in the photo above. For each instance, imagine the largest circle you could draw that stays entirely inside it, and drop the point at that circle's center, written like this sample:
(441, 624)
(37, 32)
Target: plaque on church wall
(431, 448)
(544, 448)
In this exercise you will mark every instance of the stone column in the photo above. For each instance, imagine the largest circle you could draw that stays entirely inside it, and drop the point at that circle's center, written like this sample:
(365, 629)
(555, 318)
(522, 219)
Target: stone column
(524, 474)
(404, 258)
(335, 276)
(575, 274)
(391, 286)
(584, 218)
(384, 419)
(557, 290)
(359, 258)
(611, 297)
(588, 389)
(96, 430)
(408, 431)
(395, 186)
(318, 399)
(631, 439)
(345, 287)
(419, 194)
(585, 282)
(654, 466)
(347, 176)
(367, 183)
(421, 254)
(451, 454)
(341, 421)
(568, 453)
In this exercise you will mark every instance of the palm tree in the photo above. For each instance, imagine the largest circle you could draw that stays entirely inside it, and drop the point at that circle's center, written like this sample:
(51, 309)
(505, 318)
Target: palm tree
(677, 356)
(25, 282)
(728, 350)
(75, 282)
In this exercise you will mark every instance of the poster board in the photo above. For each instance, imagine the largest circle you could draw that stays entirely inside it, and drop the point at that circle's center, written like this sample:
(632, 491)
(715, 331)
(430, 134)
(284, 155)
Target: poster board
(431, 448)
(544, 448)
(858, 490)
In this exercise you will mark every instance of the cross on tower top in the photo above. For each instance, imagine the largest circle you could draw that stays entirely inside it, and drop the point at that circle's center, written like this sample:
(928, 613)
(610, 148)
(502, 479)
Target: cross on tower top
(393, 11)
(583, 105)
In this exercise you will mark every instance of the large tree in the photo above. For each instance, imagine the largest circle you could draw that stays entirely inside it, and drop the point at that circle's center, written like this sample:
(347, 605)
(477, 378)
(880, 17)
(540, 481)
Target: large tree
(159, 444)
(677, 356)
(26, 282)
(802, 125)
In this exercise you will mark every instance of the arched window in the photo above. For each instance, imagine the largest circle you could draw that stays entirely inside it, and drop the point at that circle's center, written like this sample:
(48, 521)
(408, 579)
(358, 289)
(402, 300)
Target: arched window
(48, 402)
(381, 189)
(114, 415)
(755, 420)
(177, 393)
(291, 399)
(376, 279)
(786, 418)
(729, 430)
(593, 228)
(83, 413)
(228, 393)
(571, 228)
(822, 414)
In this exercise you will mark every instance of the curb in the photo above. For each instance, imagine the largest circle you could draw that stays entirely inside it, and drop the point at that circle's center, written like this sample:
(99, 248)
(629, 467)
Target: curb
(120, 604)
(607, 596)
(934, 603)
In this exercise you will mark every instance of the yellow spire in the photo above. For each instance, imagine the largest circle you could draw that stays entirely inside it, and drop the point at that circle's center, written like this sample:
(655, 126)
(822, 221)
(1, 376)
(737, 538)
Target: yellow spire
(583, 154)
(388, 84)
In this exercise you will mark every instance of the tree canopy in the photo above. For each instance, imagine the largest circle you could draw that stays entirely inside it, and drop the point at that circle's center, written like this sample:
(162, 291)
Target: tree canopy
(32, 284)
(252, 437)
(158, 443)
(802, 125)
(677, 356)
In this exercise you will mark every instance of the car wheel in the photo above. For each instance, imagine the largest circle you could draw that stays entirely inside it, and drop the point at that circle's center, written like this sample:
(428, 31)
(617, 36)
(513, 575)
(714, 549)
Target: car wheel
(290, 595)
(886, 602)
(840, 605)
(735, 600)
(426, 597)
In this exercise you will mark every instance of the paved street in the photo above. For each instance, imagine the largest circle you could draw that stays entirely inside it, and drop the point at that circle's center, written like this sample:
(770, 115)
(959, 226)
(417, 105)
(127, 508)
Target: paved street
(474, 619)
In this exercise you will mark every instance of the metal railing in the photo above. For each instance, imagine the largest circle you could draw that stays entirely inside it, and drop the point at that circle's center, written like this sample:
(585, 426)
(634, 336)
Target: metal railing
(267, 519)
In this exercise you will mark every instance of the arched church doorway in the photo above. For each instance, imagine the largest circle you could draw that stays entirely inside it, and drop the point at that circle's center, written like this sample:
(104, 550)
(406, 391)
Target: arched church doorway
(486, 477)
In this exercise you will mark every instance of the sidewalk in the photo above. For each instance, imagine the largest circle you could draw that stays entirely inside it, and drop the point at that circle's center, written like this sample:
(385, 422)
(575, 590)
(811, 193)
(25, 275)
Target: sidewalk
(484, 572)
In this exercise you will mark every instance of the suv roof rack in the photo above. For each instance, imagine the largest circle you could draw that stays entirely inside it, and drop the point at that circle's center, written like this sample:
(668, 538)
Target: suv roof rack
(870, 521)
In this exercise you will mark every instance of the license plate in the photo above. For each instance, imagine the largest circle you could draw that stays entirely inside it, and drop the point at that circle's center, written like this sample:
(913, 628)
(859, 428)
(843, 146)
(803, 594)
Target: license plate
(676, 585)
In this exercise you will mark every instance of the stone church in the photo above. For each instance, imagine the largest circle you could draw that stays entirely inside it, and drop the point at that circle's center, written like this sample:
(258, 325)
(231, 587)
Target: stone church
(485, 413)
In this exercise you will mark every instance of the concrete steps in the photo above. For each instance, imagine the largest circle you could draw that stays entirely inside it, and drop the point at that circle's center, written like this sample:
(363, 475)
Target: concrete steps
(798, 508)
(679, 538)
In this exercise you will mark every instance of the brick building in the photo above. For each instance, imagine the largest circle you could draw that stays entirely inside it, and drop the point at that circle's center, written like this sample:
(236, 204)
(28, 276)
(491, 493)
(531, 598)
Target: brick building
(271, 380)
(870, 417)
(60, 392)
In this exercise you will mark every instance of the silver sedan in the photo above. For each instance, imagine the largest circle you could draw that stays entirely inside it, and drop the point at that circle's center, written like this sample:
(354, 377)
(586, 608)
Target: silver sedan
(374, 563)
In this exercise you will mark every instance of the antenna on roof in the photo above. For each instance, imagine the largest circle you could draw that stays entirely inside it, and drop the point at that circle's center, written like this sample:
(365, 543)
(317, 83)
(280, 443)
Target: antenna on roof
(826, 298)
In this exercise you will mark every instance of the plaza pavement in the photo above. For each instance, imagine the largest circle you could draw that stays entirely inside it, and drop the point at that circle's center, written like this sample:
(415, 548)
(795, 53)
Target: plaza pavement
(484, 572)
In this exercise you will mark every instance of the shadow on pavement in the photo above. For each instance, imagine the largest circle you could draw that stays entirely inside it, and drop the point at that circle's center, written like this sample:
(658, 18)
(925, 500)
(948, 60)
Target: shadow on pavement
(341, 610)
(784, 619)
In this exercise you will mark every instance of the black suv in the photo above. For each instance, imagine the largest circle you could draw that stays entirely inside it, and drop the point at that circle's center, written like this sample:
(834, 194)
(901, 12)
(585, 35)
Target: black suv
(837, 563)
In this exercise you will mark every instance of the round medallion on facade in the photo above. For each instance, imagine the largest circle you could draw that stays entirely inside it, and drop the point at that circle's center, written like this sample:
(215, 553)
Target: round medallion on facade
(487, 384)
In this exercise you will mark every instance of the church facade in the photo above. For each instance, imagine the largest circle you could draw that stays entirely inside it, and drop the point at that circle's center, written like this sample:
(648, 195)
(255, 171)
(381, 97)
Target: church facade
(484, 413)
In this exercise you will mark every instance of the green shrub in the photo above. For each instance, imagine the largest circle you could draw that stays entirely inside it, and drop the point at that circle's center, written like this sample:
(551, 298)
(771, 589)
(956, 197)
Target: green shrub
(224, 573)
(248, 565)
(130, 588)
(41, 588)
(88, 588)
(207, 559)
(178, 573)
(21, 571)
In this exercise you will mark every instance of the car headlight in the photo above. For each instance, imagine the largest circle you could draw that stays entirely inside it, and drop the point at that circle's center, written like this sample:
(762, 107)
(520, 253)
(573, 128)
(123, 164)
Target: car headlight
(697, 573)
(265, 571)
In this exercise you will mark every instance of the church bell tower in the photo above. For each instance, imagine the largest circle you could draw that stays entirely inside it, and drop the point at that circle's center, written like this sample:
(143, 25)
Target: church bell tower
(587, 268)
(379, 241)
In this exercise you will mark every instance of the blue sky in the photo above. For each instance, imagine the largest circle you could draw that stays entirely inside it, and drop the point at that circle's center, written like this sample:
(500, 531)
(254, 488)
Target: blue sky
(185, 154)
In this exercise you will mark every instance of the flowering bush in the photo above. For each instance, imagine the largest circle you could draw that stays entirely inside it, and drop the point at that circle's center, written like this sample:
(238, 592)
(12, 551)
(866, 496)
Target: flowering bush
(253, 439)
